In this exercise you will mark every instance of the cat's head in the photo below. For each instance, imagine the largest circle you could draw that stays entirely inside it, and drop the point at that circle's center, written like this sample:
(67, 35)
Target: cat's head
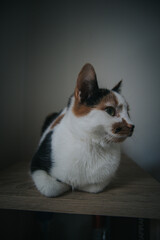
(101, 113)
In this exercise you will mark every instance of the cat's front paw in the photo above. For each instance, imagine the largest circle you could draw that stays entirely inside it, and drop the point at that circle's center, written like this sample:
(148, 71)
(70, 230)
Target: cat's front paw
(94, 188)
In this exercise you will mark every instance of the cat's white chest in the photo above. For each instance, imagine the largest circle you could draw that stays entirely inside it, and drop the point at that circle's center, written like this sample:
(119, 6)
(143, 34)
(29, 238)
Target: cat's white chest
(77, 162)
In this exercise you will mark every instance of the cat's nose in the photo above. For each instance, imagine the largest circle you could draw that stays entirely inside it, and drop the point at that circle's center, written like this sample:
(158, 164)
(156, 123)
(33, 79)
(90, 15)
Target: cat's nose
(131, 127)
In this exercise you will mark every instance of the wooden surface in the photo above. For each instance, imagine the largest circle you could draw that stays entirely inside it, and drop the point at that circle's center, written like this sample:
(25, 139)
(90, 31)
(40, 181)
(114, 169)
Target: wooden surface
(133, 193)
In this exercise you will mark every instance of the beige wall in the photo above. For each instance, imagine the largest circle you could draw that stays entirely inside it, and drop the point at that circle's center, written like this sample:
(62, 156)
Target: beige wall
(119, 38)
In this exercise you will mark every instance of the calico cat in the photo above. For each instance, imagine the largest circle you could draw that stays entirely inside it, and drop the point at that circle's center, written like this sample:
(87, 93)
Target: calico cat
(79, 146)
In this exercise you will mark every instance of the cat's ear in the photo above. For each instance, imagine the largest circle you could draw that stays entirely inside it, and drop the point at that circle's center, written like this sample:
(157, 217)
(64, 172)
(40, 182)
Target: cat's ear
(117, 88)
(87, 83)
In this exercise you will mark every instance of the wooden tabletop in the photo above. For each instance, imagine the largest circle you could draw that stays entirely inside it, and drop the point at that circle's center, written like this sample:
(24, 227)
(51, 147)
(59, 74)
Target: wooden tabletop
(133, 193)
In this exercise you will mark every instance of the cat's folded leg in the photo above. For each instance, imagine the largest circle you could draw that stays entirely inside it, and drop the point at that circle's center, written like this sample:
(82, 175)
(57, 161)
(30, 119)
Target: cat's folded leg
(48, 185)
(94, 188)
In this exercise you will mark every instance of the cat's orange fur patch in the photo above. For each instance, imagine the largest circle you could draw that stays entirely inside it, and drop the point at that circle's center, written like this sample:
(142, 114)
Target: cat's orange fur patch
(57, 121)
(123, 125)
(80, 110)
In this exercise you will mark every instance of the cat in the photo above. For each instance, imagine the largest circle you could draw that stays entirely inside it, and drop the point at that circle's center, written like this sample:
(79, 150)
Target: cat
(79, 146)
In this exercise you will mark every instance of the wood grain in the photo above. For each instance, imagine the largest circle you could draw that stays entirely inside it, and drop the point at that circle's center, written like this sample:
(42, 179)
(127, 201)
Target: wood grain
(133, 193)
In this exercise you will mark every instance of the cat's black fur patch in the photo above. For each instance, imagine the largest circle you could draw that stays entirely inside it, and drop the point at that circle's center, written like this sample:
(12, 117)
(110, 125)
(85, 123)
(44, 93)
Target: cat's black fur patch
(96, 97)
(42, 158)
(49, 120)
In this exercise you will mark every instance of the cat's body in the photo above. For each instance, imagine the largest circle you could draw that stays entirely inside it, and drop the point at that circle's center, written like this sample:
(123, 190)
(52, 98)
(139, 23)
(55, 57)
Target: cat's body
(79, 146)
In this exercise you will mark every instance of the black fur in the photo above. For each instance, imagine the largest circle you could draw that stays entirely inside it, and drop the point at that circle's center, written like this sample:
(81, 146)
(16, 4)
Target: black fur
(117, 88)
(94, 99)
(48, 121)
(42, 158)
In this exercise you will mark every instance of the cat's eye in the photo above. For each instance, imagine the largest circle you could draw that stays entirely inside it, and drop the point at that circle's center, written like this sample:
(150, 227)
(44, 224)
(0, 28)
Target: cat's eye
(111, 111)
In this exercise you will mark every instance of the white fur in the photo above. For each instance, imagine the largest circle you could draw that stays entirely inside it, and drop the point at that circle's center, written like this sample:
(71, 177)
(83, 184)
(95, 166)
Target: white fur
(124, 113)
(47, 184)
